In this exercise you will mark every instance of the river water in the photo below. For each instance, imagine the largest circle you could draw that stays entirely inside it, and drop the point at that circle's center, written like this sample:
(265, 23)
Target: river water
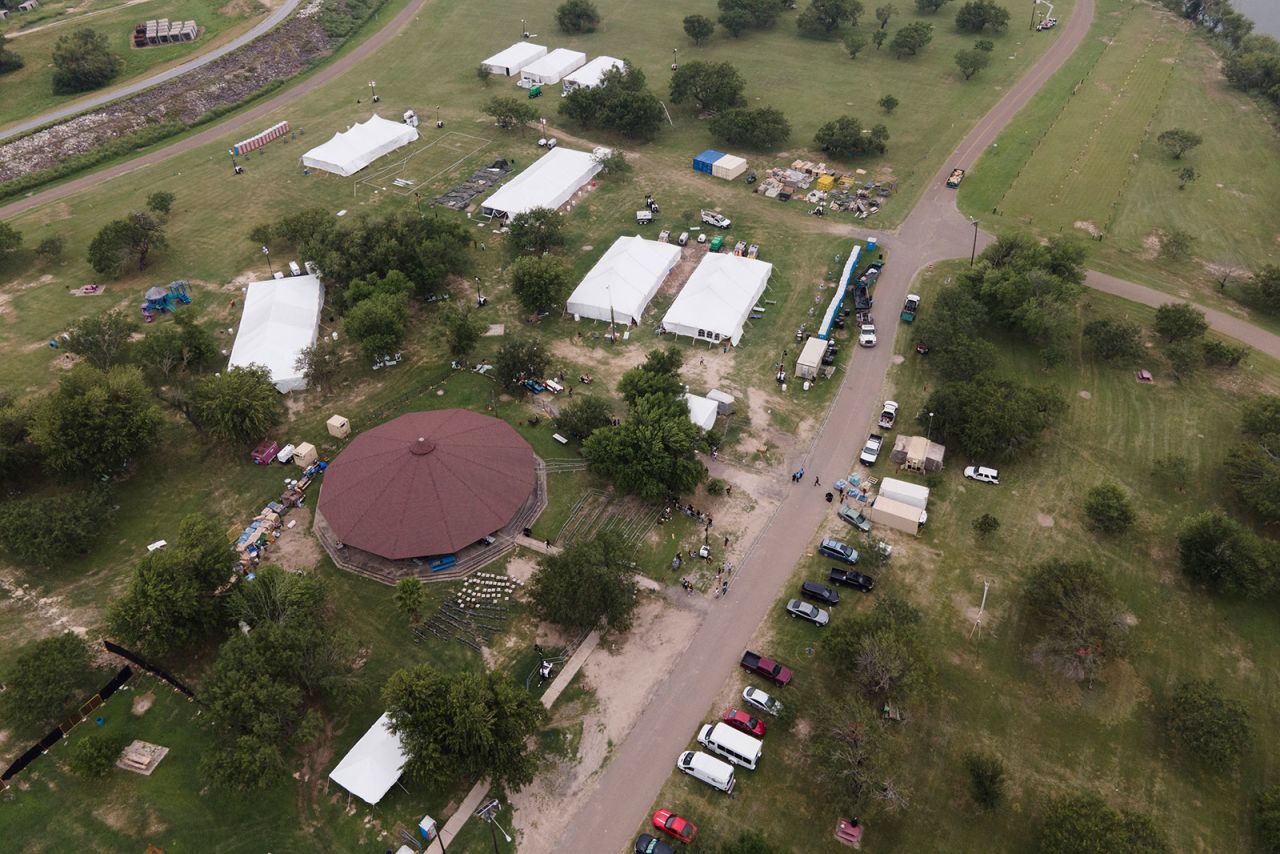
(1265, 14)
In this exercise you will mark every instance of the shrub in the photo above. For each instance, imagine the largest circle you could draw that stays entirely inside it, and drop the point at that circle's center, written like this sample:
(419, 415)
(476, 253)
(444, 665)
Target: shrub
(96, 753)
(1209, 727)
(986, 779)
(1108, 509)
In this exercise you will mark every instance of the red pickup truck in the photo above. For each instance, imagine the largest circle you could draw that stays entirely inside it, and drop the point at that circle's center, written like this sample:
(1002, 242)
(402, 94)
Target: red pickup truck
(776, 673)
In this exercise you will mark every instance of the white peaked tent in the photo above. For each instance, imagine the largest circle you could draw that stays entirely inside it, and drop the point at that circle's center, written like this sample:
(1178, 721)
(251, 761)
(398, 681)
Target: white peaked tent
(509, 62)
(622, 282)
(351, 150)
(702, 410)
(550, 68)
(592, 73)
(715, 302)
(280, 320)
(373, 765)
(548, 183)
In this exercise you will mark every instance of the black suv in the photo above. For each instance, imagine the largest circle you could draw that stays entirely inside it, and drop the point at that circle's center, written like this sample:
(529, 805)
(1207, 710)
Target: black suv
(849, 578)
(819, 593)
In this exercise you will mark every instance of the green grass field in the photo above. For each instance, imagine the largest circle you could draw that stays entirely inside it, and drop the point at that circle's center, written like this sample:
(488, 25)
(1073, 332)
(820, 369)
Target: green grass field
(29, 91)
(1052, 736)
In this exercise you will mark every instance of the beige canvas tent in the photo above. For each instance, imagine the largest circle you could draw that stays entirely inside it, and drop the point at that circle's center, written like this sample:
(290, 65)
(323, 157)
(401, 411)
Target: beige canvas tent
(809, 362)
(897, 515)
(916, 453)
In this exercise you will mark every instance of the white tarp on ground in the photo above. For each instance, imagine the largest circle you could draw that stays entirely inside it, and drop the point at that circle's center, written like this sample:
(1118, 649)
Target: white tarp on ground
(509, 62)
(552, 67)
(702, 410)
(548, 183)
(352, 150)
(373, 765)
(592, 73)
(280, 320)
(623, 281)
(715, 302)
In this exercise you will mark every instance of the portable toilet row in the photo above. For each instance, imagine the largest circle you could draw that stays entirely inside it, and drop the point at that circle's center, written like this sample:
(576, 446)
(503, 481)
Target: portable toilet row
(719, 164)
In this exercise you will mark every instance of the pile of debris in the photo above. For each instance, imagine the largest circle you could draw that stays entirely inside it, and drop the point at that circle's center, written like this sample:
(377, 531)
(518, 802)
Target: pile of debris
(482, 180)
(832, 190)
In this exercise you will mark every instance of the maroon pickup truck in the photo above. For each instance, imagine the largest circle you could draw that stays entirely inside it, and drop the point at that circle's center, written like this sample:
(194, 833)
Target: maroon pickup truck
(766, 667)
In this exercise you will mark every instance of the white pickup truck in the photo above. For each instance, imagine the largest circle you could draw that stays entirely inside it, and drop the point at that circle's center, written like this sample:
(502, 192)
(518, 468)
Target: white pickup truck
(713, 218)
(871, 450)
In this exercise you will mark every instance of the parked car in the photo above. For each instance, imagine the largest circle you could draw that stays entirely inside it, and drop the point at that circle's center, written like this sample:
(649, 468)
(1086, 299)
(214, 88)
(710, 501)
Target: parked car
(854, 517)
(805, 611)
(871, 450)
(982, 474)
(819, 593)
(849, 578)
(646, 844)
(867, 335)
(838, 550)
(744, 722)
(766, 667)
(673, 825)
(761, 700)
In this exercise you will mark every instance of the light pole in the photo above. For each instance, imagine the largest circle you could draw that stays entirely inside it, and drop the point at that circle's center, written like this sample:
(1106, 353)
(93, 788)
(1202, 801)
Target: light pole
(488, 812)
(373, 92)
(439, 124)
(674, 51)
(524, 29)
(929, 435)
(267, 252)
(974, 253)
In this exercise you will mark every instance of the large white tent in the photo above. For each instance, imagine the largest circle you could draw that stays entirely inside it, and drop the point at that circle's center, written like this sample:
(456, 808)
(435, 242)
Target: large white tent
(373, 765)
(509, 62)
(280, 320)
(351, 150)
(702, 410)
(620, 285)
(715, 302)
(548, 183)
(592, 73)
(550, 68)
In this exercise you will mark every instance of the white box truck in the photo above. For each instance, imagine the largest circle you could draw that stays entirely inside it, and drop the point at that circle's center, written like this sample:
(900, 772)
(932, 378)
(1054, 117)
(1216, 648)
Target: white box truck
(738, 747)
(708, 769)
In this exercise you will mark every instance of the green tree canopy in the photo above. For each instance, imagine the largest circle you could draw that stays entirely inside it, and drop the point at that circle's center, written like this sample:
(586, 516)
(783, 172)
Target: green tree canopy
(761, 127)
(47, 530)
(410, 597)
(378, 324)
(238, 406)
(509, 112)
(540, 283)
(463, 328)
(9, 61)
(1113, 340)
(622, 104)
(843, 137)
(911, 39)
(1108, 509)
(888, 103)
(1178, 141)
(320, 363)
(102, 339)
(1179, 321)
(882, 649)
(124, 240)
(851, 755)
(578, 16)
(537, 230)
(986, 779)
(95, 753)
(18, 455)
(95, 421)
(1253, 464)
(82, 60)
(884, 13)
(987, 417)
(977, 15)
(821, 18)
(699, 28)
(929, 7)
(737, 16)
(659, 375)
(584, 415)
(45, 681)
(1207, 726)
(392, 283)
(1075, 622)
(161, 202)
(1225, 556)
(1267, 819)
(517, 360)
(176, 349)
(10, 240)
(589, 585)
(1084, 822)
(710, 86)
(652, 453)
(854, 44)
(970, 62)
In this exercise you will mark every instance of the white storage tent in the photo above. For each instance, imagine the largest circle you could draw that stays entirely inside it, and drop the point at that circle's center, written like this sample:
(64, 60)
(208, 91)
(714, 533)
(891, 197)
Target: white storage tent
(509, 62)
(715, 302)
(622, 282)
(373, 765)
(702, 410)
(809, 362)
(351, 150)
(280, 320)
(592, 73)
(552, 67)
(548, 183)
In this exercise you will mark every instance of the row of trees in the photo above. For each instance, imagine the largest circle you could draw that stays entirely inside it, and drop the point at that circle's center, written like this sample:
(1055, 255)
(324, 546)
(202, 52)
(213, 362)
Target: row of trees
(1252, 60)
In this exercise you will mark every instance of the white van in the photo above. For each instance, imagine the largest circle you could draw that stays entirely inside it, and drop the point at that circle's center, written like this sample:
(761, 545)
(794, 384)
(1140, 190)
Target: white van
(738, 747)
(708, 769)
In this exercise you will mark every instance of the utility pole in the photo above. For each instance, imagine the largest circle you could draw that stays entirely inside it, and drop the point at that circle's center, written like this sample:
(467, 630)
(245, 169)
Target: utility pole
(977, 624)
(974, 253)
(267, 252)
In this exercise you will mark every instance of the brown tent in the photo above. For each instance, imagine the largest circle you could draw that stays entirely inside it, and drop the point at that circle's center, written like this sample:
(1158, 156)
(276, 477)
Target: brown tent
(427, 483)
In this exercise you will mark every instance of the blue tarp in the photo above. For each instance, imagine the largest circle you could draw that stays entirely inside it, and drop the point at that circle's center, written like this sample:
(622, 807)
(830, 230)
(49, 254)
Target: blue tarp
(846, 277)
(704, 161)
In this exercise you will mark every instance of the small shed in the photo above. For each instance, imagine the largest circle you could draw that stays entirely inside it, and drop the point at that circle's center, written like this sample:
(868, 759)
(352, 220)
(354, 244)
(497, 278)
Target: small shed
(339, 426)
(705, 162)
(917, 453)
(897, 515)
(305, 455)
(809, 362)
(725, 402)
(702, 410)
(729, 167)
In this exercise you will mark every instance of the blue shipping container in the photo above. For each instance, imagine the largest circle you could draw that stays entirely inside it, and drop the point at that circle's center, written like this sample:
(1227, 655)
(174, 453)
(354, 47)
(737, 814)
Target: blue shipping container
(704, 161)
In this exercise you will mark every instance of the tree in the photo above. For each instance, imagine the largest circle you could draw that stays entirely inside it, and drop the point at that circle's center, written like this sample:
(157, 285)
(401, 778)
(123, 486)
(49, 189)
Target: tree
(850, 755)
(986, 779)
(1267, 819)
(509, 112)
(712, 86)
(161, 202)
(843, 137)
(541, 283)
(238, 406)
(882, 650)
(1178, 141)
(1264, 286)
(622, 103)
(472, 725)
(888, 103)
(1108, 509)
(1221, 554)
(378, 324)
(761, 127)
(589, 585)
(1179, 321)
(878, 37)
(989, 417)
(749, 14)
(51, 247)
(976, 15)
(699, 28)
(46, 680)
(463, 328)
(10, 240)
(1252, 467)
(1084, 822)
(82, 60)
(1235, 27)
(537, 230)
(736, 21)
(49, 530)
(1175, 243)
(911, 39)
(1113, 340)
(518, 360)
(175, 349)
(659, 376)
(854, 43)
(984, 45)
(95, 754)
(584, 416)
(18, 456)
(411, 599)
(985, 525)
(823, 17)
(1075, 623)
(171, 602)
(1220, 354)
(929, 7)
(1186, 175)
(884, 13)
(578, 16)
(103, 340)
(651, 454)
(123, 240)
(320, 363)
(95, 422)
(970, 62)
(1205, 725)
(9, 61)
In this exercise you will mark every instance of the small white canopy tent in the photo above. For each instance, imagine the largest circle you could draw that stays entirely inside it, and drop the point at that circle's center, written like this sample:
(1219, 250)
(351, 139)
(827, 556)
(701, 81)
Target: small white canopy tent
(623, 281)
(715, 302)
(352, 150)
(552, 67)
(509, 62)
(548, 183)
(702, 410)
(592, 73)
(280, 320)
(373, 765)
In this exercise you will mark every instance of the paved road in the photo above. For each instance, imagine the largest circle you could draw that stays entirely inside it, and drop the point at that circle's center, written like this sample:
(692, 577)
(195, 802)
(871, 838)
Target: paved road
(100, 98)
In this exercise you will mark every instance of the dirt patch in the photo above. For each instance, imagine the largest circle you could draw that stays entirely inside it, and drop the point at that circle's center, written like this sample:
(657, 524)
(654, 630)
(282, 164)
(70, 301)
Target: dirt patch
(1150, 247)
(521, 567)
(1087, 227)
(142, 703)
(296, 548)
(1084, 395)
(898, 358)
(1044, 520)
